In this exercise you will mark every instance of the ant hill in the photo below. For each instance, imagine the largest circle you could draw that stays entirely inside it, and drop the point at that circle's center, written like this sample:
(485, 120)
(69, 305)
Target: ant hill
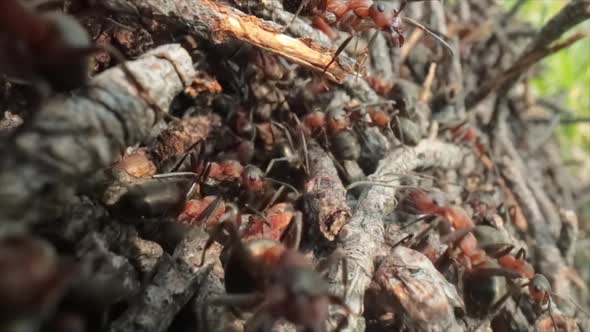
(295, 165)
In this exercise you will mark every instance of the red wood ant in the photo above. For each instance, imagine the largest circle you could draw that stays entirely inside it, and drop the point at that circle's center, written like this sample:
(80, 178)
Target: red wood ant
(483, 247)
(356, 16)
(277, 279)
(350, 16)
(488, 240)
(424, 203)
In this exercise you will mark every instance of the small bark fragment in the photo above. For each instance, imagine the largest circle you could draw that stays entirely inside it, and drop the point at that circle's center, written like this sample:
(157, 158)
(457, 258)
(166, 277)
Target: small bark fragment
(325, 195)
(427, 299)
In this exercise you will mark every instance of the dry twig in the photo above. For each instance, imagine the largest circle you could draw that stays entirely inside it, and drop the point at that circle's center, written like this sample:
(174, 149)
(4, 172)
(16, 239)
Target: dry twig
(326, 196)
(362, 239)
(217, 21)
(571, 15)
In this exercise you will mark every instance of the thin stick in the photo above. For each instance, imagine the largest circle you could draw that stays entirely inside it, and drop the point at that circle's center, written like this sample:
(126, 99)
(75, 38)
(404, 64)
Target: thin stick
(431, 33)
(426, 93)
(505, 78)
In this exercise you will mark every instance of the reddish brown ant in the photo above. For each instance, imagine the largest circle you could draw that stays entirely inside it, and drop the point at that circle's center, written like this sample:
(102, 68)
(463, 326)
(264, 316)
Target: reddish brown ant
(351, 16)
(355, 16)
(485, 251)
(425, 204)
(298, 158)
(277, 279)
(493, 243)
(194, 209)
(278, 219)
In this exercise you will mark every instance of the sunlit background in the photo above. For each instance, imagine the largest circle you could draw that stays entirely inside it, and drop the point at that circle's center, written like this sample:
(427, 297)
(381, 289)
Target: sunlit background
(565, 76)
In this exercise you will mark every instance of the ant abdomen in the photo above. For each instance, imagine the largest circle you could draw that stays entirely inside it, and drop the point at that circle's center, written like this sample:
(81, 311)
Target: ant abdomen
(482, 292)
(65, 61)
(241, 279)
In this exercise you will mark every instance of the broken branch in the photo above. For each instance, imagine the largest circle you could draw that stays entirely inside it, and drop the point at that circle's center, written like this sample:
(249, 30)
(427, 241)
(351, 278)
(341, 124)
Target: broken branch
(216, 21)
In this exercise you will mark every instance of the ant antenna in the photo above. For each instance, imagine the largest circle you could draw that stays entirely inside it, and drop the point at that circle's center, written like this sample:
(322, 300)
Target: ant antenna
(258, 213)
(431, 33)
(576, 304)
(402, 241)
(292, 237)
(427, 217)
(283, 184)
(304, 143)
(302, 5)
(551, 313)
(380, 184)
(338, 51)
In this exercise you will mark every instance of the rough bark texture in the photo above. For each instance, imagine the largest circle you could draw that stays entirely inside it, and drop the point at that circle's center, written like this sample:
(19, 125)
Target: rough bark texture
(74, 137)
(93, 234)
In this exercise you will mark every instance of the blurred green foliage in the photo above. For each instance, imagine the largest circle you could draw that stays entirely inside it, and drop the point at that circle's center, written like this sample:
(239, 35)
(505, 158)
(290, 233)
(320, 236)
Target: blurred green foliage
(564, 76)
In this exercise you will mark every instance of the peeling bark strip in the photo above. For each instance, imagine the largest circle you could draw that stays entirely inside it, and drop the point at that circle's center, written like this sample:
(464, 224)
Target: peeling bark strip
(217, 21)
(172, 143)
(362, 238)
(72, 138)
(325, 194)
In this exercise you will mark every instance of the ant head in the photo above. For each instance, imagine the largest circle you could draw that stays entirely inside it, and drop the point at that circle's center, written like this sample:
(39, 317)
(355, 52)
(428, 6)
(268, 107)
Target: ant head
(387, 18)
(337, 120)
(315, 120)
(253, 178)
(346, 145)
(540, 289)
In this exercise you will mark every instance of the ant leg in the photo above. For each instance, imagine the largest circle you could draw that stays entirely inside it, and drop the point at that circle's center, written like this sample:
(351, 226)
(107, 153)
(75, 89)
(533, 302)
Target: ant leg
(293, 189)
(238, 300)
(260, 322)
(304, 144)
(427, 218)
(187, 153)
(292, 237)
(320, 24)
(551, 314)
(401, 132)
(335, 257)
(205, 216)
(338, 51)
(521, 254)
(498, 250)
(302, 5)
(272, 163)
(457, 235)
(429, 32)
(258, 213)
(343, 322)
(274, 197)
(216, 234)
(402, 241)
(365, 54)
